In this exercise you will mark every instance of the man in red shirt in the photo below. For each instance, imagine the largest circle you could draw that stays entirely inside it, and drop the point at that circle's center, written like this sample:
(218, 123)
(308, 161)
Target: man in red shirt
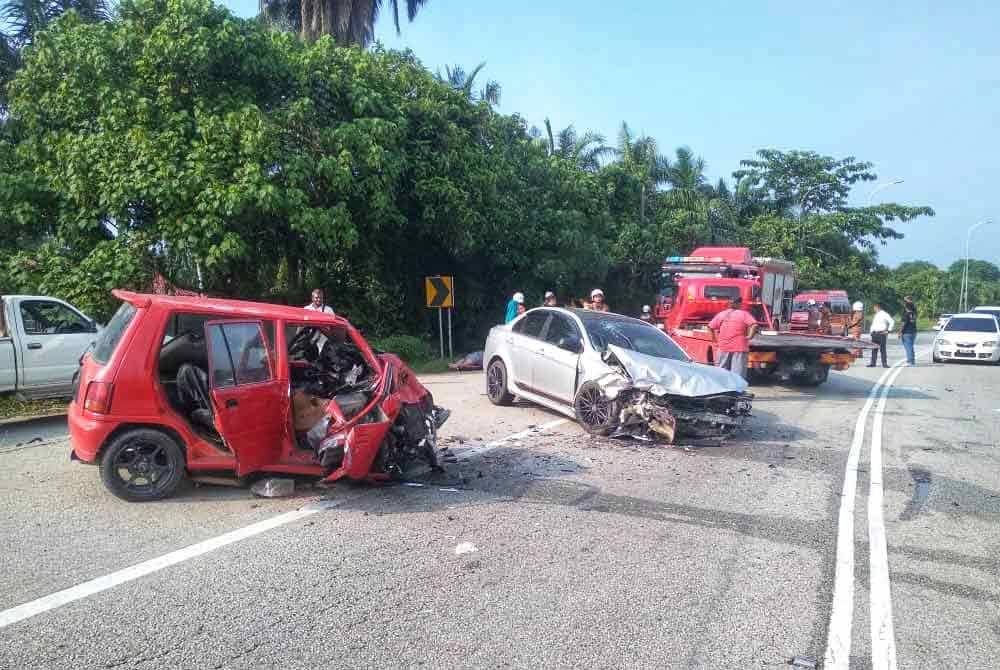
(732, 330)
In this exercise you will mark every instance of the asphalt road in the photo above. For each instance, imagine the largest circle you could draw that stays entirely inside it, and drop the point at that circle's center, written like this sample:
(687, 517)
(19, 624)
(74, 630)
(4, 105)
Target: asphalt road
(550, 550)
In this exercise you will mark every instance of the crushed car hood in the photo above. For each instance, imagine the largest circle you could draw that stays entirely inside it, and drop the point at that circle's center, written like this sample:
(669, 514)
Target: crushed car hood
(662, 376)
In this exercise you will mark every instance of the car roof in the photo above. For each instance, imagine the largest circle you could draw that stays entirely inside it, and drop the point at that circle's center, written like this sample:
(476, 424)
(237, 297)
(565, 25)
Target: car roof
(589, 315)
(973, 315)
(983, 308)
(229, 308)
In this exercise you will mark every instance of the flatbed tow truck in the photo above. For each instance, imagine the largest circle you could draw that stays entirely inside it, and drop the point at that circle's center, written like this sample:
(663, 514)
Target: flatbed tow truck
(693, 289)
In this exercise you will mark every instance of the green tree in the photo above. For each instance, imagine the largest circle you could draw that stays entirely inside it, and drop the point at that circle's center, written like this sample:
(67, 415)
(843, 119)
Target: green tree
(586, 151)
(640, 157)
(347, 21)
(465, 83)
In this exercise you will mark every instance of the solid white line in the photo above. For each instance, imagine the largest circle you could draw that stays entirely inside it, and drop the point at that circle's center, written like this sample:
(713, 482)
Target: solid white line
(109, 581)
(883, 636)
(86, 589)
(838, 645)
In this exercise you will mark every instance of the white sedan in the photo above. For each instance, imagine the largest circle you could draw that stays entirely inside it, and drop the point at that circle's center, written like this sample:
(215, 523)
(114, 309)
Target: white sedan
(968, 337)
(615, 375)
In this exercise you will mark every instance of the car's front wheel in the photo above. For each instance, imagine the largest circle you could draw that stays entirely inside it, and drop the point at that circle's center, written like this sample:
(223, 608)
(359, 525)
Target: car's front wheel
(142, 464)
(595, 411)
(496, 384)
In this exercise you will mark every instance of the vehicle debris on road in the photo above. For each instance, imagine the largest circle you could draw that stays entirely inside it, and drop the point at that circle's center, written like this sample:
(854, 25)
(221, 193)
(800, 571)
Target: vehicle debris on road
(273, 487)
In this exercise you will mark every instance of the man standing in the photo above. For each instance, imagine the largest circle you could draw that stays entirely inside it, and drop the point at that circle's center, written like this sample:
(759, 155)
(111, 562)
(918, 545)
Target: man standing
(550, 300)
(512, 305)
(318, 303)
(882, 325)
(732, 330)
(908, 330)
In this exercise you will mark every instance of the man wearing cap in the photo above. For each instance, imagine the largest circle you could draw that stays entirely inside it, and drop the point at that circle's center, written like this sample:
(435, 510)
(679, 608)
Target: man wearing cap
(550, 300)
(647, 314)
(512, 304)
(597, 303)
(732, 330)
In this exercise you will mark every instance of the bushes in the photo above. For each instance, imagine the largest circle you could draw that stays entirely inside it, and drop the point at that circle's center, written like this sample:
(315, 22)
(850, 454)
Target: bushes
(411, 349)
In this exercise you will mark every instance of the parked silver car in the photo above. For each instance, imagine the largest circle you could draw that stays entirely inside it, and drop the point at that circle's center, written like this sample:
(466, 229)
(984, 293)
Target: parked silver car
(971, 337)
(615, 375)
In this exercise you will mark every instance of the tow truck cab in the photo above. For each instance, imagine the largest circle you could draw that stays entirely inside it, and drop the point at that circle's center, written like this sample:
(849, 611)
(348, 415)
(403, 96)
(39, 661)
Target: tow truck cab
(693, 289)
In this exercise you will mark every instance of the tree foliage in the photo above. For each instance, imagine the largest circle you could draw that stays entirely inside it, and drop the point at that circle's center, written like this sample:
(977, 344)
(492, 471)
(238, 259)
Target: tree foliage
(178, 139)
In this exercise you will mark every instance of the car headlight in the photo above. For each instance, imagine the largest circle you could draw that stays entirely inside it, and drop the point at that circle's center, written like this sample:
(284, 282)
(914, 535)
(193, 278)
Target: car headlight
(944, 342)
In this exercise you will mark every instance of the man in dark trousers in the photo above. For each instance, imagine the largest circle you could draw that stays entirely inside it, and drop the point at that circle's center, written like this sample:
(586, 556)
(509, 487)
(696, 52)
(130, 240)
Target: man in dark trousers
(732, 330)
(908, 330)
(882, 325)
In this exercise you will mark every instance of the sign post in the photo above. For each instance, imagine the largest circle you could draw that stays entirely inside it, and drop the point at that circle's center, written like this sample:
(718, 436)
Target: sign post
(440, 293)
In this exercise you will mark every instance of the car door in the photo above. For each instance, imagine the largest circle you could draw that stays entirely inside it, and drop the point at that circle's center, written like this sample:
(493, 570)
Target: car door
(8, 362)
(249, 402)
(555, 371)
(526, 343)
(52, 336)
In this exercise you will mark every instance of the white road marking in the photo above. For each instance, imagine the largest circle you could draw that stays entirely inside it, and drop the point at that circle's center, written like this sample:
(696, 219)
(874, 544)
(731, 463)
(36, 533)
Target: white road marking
(109, 581)
(883, 636)
(838, 645)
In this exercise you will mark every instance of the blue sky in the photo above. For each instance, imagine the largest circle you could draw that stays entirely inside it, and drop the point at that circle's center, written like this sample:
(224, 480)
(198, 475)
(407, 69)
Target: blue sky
(913, 87)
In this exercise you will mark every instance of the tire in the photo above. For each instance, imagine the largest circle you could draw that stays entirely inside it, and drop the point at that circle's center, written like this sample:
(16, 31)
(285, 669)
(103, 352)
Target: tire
(496, 384)
(146, 455)
(817, 378)
(597, 413)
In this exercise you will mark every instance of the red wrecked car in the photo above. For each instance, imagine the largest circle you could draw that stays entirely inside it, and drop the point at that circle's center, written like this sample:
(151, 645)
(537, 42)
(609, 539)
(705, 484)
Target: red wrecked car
(187, 386)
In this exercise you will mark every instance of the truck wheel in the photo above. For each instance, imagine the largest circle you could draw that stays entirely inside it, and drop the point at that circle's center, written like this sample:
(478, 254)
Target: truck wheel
(597, 413)
(142, 464)
(496, 384)
(817, 377)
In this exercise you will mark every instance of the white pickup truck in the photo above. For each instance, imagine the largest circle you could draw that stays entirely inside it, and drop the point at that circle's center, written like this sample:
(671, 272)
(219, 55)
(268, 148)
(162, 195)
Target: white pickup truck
(41, 342)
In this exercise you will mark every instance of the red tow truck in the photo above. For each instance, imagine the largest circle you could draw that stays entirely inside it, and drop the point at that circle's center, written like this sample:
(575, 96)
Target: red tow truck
(693, 289)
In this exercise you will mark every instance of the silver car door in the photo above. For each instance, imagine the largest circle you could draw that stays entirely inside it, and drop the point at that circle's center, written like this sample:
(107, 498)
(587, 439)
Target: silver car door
(526, 344)
(53, 335)
(555, 373)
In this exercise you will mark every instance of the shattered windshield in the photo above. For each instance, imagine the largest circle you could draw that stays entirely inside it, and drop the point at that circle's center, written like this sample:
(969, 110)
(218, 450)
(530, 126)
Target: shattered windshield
(636, 336)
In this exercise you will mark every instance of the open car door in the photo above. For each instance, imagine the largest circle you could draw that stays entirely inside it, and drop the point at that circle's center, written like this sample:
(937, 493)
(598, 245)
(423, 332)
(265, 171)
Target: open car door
(249, 402)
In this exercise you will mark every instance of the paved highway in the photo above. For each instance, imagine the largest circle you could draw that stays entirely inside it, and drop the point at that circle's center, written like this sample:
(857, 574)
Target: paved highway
(548, 548)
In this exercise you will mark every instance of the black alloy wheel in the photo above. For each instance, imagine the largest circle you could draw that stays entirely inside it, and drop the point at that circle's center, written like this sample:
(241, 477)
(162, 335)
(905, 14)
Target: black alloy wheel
(597, 413)
(142, 464)
(496, 384)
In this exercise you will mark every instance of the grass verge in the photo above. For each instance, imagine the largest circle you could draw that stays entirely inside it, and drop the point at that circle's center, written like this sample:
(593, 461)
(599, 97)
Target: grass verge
(11, 407)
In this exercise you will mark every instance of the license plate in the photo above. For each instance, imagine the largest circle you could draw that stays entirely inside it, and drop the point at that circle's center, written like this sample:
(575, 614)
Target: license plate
(963, 352)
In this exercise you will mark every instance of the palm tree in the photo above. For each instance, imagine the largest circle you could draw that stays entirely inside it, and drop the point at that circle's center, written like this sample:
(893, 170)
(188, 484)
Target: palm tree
(586, 151)
(347, 21)
(24, 19)
(686, 176)
(463, 82)
(640, 156)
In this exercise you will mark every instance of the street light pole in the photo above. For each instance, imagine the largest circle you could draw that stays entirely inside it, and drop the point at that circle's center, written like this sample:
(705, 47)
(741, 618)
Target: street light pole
(963, 300)
(881, 187)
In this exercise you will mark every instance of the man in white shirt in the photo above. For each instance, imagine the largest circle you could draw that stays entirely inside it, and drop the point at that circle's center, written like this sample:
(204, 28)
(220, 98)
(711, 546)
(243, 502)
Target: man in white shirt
(318, 303)
(882, 325)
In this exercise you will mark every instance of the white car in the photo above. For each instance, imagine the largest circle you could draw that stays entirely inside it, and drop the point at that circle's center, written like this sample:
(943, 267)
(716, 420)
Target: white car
(614, 374)
(942, 320)
(988, 309)
(969, 337)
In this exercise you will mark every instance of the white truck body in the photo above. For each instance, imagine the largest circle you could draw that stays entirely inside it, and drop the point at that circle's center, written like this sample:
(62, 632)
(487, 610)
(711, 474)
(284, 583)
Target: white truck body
(41, 342)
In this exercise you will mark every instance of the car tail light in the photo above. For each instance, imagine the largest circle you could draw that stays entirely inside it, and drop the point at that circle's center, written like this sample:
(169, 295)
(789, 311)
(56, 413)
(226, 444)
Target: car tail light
(98, 398)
